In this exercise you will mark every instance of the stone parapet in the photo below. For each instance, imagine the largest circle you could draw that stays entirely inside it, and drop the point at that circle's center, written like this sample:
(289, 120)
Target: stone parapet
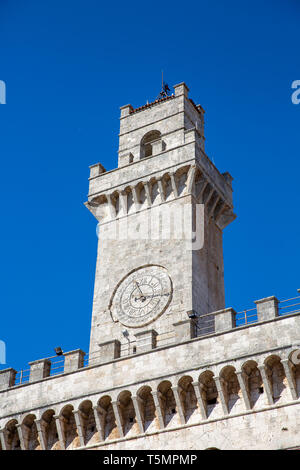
(184, 330)
(96, 170)
(145, 340)
(39, 369)
(7, 378)
(74, 360)
(225, 319)
(108, 351)
(267, 308)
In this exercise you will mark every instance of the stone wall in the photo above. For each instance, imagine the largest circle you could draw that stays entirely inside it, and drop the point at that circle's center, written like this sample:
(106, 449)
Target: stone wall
(234, 389)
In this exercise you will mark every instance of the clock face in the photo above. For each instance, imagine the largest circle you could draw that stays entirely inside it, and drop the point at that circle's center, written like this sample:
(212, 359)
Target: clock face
(142, 296)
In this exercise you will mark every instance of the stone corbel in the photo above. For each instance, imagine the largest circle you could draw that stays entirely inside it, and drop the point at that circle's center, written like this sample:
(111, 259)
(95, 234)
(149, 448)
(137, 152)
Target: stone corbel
(243, 384)
(157, 397)
(60, 427)
(148, 194)
(3, 439)
(219, 209)
(190, 179)
(40, 426)
(21, 434)
(225, 218)
(161, 190)
(287, 365)
(203, 185)
(209, 196)
(123, 202)
(80, 426)
(118, 417)
(92, 208)
(213, 204)
(137, 403)
(135, 198)
(267, 384)
(179, 404)
(112, 209)
(200, 401)
(100, 414)
(173, 184)
(222, 394)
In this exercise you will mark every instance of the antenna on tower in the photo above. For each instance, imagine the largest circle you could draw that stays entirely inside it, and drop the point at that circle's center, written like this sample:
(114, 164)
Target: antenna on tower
(165, 90)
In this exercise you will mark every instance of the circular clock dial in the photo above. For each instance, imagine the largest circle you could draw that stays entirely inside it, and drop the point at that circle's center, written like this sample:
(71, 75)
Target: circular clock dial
(142, 296)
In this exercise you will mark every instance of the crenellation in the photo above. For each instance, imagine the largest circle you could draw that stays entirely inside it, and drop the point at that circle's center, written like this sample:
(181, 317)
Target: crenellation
(169, 366)
(267, 308)
(39, 369)
(7, 378)
(74, 360)
(96, 170)
(126, 110)
(227, 385)
(225, 319)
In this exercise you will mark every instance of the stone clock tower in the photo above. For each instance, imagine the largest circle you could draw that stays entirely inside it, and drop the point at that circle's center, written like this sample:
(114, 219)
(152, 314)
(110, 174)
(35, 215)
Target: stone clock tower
(161, 214)
(169, 367)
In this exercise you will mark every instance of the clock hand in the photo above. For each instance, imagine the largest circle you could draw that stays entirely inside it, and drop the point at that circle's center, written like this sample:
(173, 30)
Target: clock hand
(142, 295)
(138, 287)
(155, 295)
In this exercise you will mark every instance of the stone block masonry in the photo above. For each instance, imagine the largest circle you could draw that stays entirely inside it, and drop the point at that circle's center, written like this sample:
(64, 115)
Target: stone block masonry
(169, 367)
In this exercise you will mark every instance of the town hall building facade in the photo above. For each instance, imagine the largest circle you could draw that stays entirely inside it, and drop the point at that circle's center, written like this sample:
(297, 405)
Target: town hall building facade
(169, 366)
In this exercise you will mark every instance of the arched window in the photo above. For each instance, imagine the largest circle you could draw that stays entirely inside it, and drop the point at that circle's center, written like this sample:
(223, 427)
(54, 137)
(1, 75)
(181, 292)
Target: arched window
(148, 141)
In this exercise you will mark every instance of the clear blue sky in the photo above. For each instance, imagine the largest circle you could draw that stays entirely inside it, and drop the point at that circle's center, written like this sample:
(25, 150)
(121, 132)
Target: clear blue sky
(69, 66)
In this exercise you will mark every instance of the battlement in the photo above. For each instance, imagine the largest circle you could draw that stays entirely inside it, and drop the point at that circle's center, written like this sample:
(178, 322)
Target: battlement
(168, 366)
(101, 180)
(152, 128)
(115, 195)
(163, 172)
(211, 326)
(233, 375)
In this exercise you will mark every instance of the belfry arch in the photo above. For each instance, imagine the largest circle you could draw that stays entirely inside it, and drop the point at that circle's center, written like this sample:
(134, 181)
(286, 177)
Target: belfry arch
(149, 144)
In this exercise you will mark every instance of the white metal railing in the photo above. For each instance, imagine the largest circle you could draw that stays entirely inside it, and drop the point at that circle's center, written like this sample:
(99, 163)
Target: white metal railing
(289, 306)
(57, 367)
(246, 318)
(205, 325)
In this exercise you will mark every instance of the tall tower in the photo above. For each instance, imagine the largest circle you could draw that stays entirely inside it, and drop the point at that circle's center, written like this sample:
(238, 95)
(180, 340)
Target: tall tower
(161, 214)
(169, 366)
